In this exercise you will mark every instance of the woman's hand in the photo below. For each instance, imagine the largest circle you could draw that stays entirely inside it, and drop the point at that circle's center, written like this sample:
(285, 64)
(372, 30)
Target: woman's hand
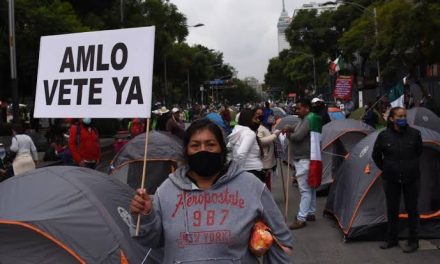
(141, 203)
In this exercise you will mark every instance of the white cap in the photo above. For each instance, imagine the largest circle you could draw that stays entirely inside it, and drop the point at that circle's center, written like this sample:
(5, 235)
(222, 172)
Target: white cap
(175, 110)
(316, 99)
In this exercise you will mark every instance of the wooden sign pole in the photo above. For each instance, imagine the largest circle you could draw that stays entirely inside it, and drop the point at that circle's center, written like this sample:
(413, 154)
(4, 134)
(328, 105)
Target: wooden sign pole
(144, 171)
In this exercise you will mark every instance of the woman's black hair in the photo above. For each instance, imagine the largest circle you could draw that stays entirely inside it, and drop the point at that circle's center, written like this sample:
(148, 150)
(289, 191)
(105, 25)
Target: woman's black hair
(246, 117)
(201, 124)
(305, 102)
(392, 113)
(18, 128)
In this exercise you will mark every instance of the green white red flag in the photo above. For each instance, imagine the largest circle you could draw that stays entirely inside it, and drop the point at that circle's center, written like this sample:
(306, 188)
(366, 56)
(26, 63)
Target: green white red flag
(335, 66)
(315, 169)
(395, 95)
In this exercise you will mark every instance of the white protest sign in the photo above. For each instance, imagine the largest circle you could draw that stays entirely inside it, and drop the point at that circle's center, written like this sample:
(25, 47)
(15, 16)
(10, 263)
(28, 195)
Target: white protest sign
(103, 74)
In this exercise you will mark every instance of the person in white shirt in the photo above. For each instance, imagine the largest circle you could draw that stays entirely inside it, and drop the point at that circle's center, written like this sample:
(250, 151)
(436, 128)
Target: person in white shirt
(243, 144)
(22, 144)
(267, 143)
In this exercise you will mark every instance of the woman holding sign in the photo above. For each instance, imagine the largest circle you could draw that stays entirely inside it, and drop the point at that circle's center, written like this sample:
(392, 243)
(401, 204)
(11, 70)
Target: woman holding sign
(205, 211)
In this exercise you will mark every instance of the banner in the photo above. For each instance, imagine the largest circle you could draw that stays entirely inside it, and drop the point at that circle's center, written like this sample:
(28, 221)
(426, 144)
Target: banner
(343, 87)
(103, 74)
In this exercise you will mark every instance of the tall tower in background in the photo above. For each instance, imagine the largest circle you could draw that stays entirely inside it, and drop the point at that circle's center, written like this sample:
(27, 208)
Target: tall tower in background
(283, 23)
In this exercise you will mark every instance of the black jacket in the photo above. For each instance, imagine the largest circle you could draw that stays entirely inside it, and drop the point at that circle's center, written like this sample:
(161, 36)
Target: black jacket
(397, 154)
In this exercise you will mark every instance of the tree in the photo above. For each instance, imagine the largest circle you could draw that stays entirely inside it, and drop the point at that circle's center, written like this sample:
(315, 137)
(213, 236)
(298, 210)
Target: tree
(49, 17)
(407, 37)
(33, 20)
(240, 92)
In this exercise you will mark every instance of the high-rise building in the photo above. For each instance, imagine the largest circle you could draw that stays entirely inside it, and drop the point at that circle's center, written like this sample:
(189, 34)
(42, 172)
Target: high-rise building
(253, 82)
(283, 23)
(319, 7)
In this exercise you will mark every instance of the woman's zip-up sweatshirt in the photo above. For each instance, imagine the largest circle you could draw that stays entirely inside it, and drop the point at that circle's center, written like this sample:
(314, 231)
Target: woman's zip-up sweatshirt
(214, 225)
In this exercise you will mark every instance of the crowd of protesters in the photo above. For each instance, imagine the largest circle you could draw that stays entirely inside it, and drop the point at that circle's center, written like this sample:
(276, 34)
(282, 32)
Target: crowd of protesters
(228, 148)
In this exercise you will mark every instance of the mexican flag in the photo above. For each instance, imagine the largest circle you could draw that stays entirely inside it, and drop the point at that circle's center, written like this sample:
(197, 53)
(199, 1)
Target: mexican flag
(395, 95)
(335, 66)
(315, 169)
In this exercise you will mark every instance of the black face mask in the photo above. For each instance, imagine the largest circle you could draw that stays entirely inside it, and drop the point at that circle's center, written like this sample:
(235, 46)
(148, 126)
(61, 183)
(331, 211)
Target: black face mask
(205, 163)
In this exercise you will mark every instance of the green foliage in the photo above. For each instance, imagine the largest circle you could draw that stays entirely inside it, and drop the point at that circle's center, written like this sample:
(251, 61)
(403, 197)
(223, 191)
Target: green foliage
(241, 93)
(36, 18)
(408, 37)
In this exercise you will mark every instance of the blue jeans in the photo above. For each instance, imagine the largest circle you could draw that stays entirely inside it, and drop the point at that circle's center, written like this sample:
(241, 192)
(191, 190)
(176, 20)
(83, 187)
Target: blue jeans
(307, 205)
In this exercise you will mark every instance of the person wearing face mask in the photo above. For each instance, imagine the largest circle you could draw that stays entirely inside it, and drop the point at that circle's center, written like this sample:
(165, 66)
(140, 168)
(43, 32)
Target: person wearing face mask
(396, 152)
(204, 212)
(84, 144)
(243, 144)
(267, 140)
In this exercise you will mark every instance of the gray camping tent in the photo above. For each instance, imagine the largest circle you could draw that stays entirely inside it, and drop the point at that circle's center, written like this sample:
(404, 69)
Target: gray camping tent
(338, 138)
(423, 117)
(67, 215)
(165, 153)
(356, 198)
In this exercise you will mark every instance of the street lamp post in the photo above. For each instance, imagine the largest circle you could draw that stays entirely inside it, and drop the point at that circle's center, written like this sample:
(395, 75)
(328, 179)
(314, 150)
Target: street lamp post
(187, 71)
(189, 90)
(376, 32)
(166, 81)
(122, 12)
(197, 25)
(13, 61)
(201, 90)
(165, 64)
(314, 73)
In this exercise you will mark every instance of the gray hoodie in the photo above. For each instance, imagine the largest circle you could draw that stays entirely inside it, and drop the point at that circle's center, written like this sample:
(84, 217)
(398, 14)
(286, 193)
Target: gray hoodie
(212, 226)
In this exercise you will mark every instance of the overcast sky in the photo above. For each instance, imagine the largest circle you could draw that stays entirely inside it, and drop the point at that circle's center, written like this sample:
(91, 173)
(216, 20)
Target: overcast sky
(245, 31)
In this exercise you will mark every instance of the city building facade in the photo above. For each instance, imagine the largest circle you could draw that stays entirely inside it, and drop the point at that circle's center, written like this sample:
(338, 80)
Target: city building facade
(319, 7)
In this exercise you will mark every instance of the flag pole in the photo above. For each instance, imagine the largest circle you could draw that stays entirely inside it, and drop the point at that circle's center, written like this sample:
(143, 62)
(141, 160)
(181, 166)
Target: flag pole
(373, 105)
(144, 172)
(287, 180)
(282, 180)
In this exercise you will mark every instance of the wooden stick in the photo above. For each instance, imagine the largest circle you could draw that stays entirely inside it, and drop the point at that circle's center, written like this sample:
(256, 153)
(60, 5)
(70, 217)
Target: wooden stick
(282, 181)
(287, 179)
(144, 171)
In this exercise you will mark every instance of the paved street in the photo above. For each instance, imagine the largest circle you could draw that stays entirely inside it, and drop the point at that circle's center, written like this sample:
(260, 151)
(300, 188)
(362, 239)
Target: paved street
(322, 241)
